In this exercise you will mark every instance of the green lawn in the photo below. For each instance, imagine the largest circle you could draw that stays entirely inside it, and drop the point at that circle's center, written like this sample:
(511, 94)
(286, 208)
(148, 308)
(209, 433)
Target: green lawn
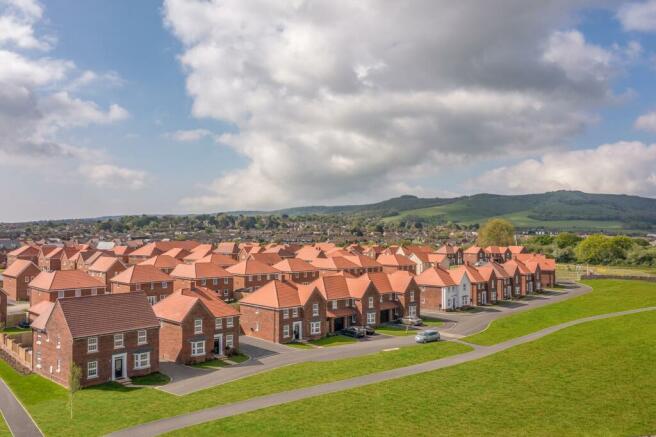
(14, 330)
(152, 379)
(395, 330)
(47, 401)
(594, 379)
(239, 358)
(300, 345)
(334, 340)
(211, 364)
(433, 323)
(607, 296)
(4, 429)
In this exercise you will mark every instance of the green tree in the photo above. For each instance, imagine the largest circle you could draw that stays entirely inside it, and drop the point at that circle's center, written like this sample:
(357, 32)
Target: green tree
(567, 239)
(496, 232)
(74, 377)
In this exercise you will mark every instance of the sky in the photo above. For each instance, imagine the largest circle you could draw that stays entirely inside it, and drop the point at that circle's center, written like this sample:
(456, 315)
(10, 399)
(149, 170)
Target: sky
(190, 106)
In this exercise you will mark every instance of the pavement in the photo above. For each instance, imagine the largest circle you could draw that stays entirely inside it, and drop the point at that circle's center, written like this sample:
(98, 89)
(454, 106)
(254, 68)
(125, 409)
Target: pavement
(178, 422)
(19, 421)
(266, 355)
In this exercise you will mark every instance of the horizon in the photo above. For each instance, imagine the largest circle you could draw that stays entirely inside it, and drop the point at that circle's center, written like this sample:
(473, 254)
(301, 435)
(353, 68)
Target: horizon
(199, 107)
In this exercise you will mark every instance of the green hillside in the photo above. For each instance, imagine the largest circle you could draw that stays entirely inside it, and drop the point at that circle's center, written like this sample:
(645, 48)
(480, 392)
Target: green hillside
(561, 210)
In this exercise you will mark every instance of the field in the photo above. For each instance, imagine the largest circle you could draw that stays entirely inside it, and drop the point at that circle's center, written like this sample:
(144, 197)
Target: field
(47, 402)
(564, 384)
(574, 271)
(607, 296)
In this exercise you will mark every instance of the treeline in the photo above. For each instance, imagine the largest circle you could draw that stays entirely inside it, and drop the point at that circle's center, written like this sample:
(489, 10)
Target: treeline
(595, 249)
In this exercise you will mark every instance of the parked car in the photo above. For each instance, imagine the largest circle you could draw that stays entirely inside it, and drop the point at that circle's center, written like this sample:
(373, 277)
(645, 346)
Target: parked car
(23, 324)
(412, 321)
(427, 336)
(369, 330)
(353, 331)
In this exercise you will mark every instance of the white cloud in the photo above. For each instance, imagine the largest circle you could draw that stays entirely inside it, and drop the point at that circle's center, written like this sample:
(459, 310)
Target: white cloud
(191, 135)
(621, 168)
(344, 98)
(646, 122)
(111, 176)
(638, 16)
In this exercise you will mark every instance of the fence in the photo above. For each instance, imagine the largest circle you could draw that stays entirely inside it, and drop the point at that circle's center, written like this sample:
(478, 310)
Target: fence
(17, 350)
(627, 277)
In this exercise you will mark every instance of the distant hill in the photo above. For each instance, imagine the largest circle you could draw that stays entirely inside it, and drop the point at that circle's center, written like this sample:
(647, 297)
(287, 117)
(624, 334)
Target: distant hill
(553, 210)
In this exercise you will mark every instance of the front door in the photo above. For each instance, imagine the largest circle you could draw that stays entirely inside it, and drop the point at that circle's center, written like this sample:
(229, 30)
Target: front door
(118, 366)
(218, 344)
(385, 316)
(483, 298)
(298, 326)
(339, 324)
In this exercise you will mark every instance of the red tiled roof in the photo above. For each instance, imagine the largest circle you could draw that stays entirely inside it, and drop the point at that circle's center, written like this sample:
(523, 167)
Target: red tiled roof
(227, 247)
(176, 306)
(308, 253)
(104, 264)
(251, 267)
(435, 277)
(65, 280)
(473, 250)
(395, 260)
(472, 273)
(199, 270)
(18, 267)
(139, 274)
(332, 287)
(219, 259)
(266, 258)
(42, 310)
(447, 249)
(274, 294)
(177, 253)
(25, 250)
(363, 261)
(107, 313)
(161, 262)
(294, 265)
(334, 263)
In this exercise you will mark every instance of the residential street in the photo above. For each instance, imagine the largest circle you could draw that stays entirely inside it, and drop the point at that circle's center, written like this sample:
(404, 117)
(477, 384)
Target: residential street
(267, 356)
(183, 421)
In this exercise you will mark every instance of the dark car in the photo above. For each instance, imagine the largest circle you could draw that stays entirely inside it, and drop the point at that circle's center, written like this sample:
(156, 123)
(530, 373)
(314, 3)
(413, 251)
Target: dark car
(369, 330)
(23, 324)
(353, 331)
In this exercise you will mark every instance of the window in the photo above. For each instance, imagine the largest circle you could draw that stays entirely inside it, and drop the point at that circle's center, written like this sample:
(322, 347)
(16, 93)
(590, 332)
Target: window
(138, 287)
(152, 300)
(203, 282)
(412, 296)
(118, 341)
(295, 312)
(371, 318)
(94, 291)
(285, 314)
(215, 281)
(78, 292)
(61, 294)
(152, 285)
(92, 344)
(334, 304)
(285, 331)
(218, 324)
(229, 340)
(142, 336)
(250, 278)
(38, 360)
(58, 342)
(412, 311)
(58, 365)
(197, 348)
(315, 309)
(38, 338)
(27, 279)
(142, 360)
(371, 302)
(226, 292)
(465, 300)
(229, 322)
(315, 328)
(381, 298)
(166, 284)
(353, 319)
(225, 281)
(92, 369)
(198, 326)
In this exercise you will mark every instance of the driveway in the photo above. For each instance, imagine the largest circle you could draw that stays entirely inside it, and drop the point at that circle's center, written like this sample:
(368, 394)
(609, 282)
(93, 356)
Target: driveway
(267, 356)
(178, 422)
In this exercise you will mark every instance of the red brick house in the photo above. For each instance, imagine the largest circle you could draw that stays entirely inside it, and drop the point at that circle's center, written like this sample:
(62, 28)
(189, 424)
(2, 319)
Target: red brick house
(437, 289)
(365, 264)
(195, 326)
(165, 263)
(499, 254)
(281, 313)
(340, 305)
(266, 258)
(17, 277)
(453, 253)
(249, 275)
(309, 253)
(398, 295)
(366, 301)
(158, 248)
(26, 252)
(147, 279)
(177, 253)
(296, 270)
(228, 248)
(473, 286)
(110, 337)
(198, 252)
(205, 275)
(519, 276)
(473, 255)
(50, 286)
(547, 267)
(394, 262)
(105, 268)
(492, 284)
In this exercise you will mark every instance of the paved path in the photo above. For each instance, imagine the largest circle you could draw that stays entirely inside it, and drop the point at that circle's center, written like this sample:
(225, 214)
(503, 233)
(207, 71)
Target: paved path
(178, 422)
(267, 356)
(19, 421)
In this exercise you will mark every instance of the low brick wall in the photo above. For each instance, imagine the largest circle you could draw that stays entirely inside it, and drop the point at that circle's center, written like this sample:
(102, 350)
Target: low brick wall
(628, 278)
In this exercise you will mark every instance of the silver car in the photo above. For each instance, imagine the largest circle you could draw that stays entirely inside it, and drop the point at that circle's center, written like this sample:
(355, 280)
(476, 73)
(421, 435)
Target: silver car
(427, 336)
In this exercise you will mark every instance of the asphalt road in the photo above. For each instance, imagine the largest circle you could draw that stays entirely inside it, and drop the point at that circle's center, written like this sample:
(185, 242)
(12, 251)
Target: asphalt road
(19, 421)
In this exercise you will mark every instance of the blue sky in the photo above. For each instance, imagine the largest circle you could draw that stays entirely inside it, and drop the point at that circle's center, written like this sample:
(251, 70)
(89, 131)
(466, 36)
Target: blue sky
(128, 107)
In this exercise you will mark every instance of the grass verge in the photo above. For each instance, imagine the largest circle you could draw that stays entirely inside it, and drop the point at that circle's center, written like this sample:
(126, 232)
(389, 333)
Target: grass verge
(398, 331)
(608, 296)
(152, 379)
(334, 340)
(564, 384)
(47, 402)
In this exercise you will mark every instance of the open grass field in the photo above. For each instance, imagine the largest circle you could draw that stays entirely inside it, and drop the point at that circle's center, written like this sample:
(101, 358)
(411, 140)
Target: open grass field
(574, 271)
(565, 384)
(47, 402)
(607, 296)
